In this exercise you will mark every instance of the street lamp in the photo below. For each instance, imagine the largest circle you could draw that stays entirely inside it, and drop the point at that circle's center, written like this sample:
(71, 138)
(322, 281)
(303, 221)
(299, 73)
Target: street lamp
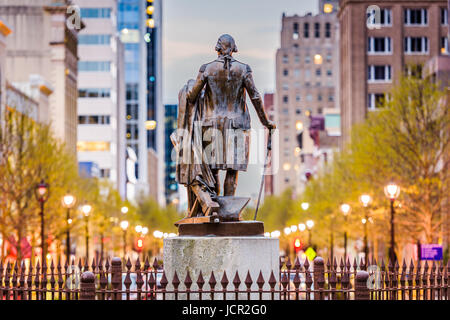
(124, 226)
(68, 201)
(138, 229)
(309, 225)
(301, 227)
(86, 209)
(345, 208)
(392, 191)
(305, 206)
(124, 209)
(144, 230)
(365, 199)
(42, 192)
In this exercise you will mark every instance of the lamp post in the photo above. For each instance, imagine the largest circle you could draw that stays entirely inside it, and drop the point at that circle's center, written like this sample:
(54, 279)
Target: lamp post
(345, 208)
(305, 206)
(68, 201)
(365, 199)
(124, 226)
(309, 225)
(392, 191)
(42, 192)
(86, 209)
(124, 210)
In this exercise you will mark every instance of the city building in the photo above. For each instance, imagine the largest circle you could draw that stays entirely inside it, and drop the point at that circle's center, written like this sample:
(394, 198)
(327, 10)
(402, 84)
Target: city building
(5, 31)
(139, 25)
(379, 41)
(307, 74)
(44, 44)
(101, 103)
(170, 183)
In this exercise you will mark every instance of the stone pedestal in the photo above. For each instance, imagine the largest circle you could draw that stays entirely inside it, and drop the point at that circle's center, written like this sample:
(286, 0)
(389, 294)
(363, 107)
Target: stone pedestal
(221, 254)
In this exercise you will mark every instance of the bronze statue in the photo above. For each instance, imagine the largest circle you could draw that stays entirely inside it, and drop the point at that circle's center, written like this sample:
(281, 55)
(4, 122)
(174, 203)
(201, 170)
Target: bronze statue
(215, 120)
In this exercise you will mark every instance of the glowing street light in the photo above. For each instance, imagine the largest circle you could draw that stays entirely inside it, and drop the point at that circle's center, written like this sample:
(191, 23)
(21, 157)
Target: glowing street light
(68, 201)
(138, 229)
(345, 208)
(124, 225)
(293, 228)
(302, 227)
(42, 193)
(124, 209)
(86, 209)
(287, 231)
(305, 206)
(144, 230)
(309, 225)
(392, 191)
(365, 199)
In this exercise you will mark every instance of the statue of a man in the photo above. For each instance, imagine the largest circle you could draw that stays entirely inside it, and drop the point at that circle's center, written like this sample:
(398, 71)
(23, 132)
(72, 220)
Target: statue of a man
(225, 118)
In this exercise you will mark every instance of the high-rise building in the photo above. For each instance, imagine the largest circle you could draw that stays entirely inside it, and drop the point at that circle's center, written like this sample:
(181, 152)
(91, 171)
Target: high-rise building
(170, 183)
(43, 43)
(380, 40)
(306, 80)
(101, 110)
(139, 25)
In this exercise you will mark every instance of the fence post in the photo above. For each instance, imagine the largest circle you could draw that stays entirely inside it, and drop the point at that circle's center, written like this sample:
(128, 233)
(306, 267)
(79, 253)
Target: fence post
(116, 278)
(87, 286)
(361, 289)
(319, 278)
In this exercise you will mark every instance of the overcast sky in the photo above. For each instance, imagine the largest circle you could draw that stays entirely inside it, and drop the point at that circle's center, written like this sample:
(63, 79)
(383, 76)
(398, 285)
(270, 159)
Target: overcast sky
(190, 32)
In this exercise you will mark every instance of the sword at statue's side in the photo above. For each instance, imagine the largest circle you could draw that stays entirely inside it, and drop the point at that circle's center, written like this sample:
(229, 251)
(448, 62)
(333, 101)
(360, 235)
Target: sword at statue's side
(269, 148)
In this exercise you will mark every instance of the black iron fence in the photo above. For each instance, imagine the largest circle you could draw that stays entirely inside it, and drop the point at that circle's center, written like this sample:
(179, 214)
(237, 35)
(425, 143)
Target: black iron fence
(316, 280)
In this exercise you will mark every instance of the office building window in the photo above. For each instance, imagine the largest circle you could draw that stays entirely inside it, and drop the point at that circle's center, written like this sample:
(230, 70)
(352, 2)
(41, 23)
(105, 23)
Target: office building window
(93, 119)
(444, 45)
(132, 91)
(95, 12)
(444, 16)
(297, 98)
(317, 30)
(417, 17)
(132, 132)
(285, 72)
(309, 97)
(318, 72)
(385, 18)
(327, 30)
(379, 73)
(295, 33)
(297, 73)
(375, 100)
(306, 30)
(330, 98)
(329, 73)
(298, 111)
(105, 173)
(94, 66)
(380, 45)
(319, 97)
(307, 59)
(285, 58)
(416, 45)
(94, 93)
(94, 39)
(132, 111)
(285, 99)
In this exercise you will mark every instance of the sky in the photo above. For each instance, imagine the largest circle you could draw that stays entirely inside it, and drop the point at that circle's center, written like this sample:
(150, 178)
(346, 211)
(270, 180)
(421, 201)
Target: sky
(190, 32)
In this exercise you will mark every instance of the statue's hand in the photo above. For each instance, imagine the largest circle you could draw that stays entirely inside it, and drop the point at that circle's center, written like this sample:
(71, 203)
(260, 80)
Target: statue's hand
(270, 125)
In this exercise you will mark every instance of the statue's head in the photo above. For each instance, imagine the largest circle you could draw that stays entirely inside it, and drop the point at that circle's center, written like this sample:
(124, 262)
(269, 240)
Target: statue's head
(226, 45)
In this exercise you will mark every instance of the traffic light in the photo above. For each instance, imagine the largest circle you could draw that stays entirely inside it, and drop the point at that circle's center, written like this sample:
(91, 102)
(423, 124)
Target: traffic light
(297, 244)
(139, 244)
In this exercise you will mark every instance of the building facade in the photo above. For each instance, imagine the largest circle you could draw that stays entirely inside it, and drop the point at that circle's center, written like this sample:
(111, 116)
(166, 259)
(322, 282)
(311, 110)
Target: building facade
(43, 44)
(170, 183)
(306, 81)
(139, 26)
(101, 109)
(379, 41)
